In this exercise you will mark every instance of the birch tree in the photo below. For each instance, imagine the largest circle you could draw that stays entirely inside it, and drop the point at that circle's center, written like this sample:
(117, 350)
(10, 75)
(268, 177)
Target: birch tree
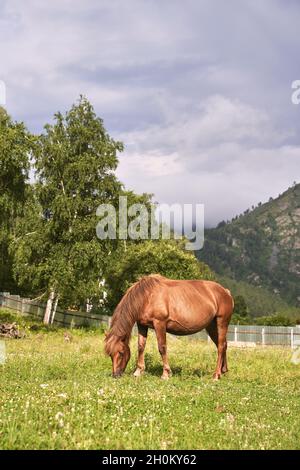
(75, 161)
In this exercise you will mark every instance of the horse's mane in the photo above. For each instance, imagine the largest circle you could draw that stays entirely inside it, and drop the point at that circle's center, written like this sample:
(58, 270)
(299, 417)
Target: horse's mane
(126, 312)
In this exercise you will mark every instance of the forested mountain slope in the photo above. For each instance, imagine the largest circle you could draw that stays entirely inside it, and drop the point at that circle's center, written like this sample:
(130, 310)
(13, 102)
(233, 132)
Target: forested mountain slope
(261, 246)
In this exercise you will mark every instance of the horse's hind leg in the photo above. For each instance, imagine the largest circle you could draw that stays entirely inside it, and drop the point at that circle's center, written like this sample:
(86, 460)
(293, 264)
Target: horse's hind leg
(142, 338)
(217, 331)
(225, 365)
(161, 334)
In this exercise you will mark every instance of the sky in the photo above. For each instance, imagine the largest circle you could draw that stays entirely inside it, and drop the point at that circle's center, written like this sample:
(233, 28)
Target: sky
(198, 91)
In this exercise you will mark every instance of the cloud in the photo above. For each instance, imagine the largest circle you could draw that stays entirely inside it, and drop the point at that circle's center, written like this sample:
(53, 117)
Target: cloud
(217, 120)
(225, 154)
(200, 92)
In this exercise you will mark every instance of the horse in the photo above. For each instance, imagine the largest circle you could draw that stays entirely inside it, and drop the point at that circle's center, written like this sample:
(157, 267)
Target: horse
(179, 307)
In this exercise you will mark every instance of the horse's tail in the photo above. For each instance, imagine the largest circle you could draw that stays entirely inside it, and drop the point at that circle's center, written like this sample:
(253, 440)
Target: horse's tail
(127, 311)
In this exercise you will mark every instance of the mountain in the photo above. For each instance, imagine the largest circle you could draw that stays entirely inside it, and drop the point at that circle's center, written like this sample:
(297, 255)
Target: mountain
(260, 247)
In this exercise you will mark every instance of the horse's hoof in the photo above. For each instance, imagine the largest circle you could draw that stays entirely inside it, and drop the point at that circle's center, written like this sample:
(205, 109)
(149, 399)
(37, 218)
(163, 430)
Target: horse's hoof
(216, 376)
(138, 372)
(165, 377)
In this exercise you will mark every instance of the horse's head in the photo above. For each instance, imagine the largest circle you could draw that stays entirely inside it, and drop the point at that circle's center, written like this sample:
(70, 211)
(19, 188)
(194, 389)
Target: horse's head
(117, 348)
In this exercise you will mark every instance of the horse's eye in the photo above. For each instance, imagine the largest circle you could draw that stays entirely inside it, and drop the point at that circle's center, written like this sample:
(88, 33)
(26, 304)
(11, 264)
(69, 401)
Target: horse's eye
(121, 353)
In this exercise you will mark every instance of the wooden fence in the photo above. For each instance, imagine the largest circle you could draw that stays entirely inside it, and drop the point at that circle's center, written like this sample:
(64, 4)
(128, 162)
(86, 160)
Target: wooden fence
(36, 310)
(261, 335)
(237, 334)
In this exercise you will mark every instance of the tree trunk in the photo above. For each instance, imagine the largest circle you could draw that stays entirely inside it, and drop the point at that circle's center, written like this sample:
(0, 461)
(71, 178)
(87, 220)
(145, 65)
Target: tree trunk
(54, 309)
(49, 305)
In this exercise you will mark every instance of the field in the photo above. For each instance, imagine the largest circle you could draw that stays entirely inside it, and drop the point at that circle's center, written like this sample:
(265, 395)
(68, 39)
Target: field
(58, 394)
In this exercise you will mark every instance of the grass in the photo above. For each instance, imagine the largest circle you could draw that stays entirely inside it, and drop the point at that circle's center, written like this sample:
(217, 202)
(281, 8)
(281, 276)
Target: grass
(58, 394)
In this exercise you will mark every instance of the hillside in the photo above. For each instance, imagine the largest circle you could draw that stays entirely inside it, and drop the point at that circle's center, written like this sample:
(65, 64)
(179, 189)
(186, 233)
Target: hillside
(261, 246)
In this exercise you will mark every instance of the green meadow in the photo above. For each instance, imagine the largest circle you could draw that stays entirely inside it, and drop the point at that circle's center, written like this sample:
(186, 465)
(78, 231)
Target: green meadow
(56, 392)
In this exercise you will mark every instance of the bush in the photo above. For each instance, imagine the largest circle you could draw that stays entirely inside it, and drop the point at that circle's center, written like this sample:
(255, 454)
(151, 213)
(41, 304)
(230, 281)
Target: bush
(7, 316)
(275, 320)
(240, 306)
(237, 319)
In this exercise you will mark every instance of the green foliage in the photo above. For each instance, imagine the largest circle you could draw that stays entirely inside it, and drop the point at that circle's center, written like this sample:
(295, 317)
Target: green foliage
(240, 306)
(237, 319)
(75, 162)
(151, 257)
(241, 312)
(275, 320)
(7, 316)
(15, 146)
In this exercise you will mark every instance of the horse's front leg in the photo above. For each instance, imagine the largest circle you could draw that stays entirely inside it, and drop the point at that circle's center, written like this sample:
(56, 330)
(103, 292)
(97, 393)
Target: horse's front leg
(161, 335)
(142, 338)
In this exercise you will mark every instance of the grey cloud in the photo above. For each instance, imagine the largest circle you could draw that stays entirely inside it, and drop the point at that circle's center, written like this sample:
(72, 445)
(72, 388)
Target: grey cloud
(199, 91)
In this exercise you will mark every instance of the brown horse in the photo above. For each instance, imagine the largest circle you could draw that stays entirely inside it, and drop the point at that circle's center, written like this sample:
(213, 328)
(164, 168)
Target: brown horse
(168, 306)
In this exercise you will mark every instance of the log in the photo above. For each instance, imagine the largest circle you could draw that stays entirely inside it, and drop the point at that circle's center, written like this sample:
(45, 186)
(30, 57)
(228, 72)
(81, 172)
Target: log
(10, 330)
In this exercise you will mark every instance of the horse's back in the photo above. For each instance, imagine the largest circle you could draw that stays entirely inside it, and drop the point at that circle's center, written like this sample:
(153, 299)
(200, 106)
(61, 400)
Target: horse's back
(222, 296)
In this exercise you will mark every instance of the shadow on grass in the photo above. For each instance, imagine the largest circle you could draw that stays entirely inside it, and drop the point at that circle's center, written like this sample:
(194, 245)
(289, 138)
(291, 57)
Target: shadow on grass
(202, 373)
(155, 369)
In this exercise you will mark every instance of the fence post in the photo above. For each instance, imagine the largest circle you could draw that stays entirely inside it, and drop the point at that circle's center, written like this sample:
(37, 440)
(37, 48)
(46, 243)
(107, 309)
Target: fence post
(292, 338)
(22, 306)
(5, 298)
(263, 341)
(235, 334)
